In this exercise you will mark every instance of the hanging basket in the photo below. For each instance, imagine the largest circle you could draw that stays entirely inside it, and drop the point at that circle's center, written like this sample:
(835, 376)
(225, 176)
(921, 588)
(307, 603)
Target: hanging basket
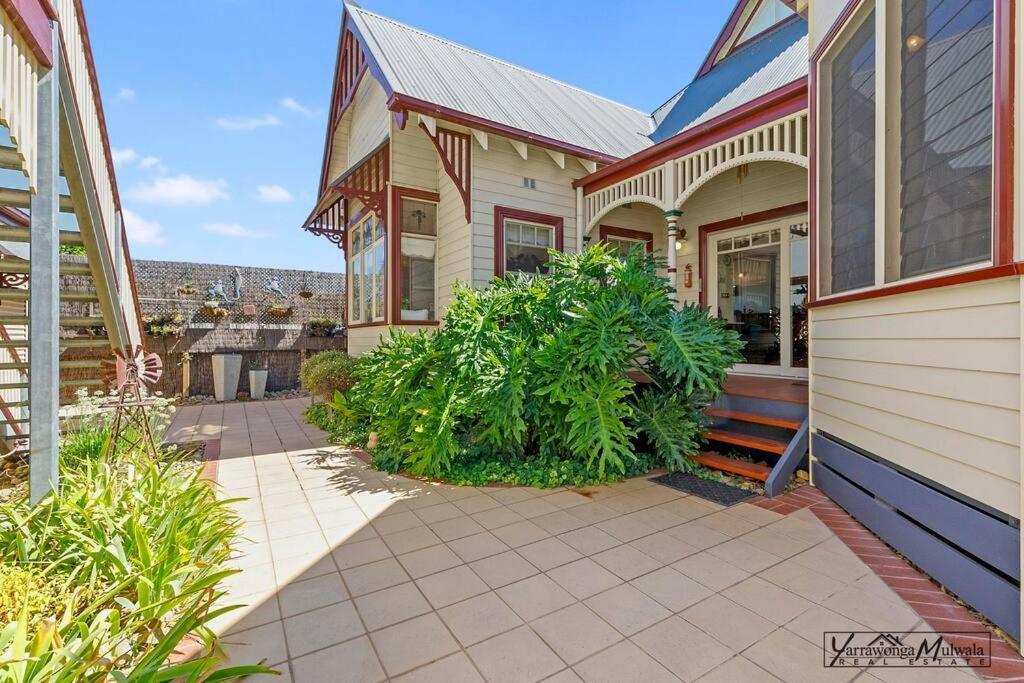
(186, 290)
(306, 294)
(280, 311)
(214, 310)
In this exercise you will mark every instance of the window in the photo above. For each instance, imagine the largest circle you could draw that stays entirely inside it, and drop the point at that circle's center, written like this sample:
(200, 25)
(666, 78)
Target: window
(624, 239)
(906, 191)
(417, 286)
(849, 233)
(367, 264)
(946, 135)
(522, 240)
(526, 246)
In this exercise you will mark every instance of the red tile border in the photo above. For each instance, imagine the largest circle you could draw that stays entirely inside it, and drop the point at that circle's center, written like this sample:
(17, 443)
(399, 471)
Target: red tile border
(939, 610)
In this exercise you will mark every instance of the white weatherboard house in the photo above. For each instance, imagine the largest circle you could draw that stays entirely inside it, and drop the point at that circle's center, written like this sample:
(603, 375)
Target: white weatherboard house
(837, 182)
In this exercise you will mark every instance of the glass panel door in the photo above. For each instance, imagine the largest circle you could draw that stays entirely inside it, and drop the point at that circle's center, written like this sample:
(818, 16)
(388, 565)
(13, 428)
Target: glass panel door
(757, 283)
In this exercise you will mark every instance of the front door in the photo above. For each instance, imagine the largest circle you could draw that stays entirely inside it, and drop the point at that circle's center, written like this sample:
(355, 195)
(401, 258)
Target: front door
(757, 283)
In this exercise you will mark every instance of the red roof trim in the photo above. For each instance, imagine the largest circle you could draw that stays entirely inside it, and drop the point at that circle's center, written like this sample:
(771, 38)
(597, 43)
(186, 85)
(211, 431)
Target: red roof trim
(775, 104)
(16, 216)
(399, 102)
(723, 37)
(32, 17)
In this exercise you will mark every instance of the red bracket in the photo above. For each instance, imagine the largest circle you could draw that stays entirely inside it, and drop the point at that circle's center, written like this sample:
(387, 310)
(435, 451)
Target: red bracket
(454, 150)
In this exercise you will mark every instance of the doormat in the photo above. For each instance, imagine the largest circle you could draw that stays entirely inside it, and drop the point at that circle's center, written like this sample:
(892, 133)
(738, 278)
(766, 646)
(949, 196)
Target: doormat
(708, 489)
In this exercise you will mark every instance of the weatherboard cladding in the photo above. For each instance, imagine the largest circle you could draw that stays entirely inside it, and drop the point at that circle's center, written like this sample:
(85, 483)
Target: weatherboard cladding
(429, 68)
(765, 64)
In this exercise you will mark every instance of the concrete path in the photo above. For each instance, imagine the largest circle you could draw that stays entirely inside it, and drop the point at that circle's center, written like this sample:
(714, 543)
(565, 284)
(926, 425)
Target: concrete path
(349, 574)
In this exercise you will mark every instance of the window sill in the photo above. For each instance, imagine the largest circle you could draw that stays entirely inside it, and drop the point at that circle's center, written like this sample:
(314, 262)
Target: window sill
(921, 283)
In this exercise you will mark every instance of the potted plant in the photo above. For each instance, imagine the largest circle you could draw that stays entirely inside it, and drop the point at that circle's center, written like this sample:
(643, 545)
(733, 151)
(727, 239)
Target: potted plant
(321, 327)
(304, 290)
(186, 289)
(279, 310)
(213, 309)
(258, 382)
(165, 325)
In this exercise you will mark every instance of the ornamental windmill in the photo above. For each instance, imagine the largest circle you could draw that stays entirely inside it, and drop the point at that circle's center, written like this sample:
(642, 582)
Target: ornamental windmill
(132, 370)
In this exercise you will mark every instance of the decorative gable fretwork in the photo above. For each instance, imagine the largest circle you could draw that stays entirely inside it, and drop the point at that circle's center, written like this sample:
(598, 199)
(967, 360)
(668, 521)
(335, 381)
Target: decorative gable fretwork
(454, 149)
(330, 223)
(351, 65)
(669, 185)
(367, 183)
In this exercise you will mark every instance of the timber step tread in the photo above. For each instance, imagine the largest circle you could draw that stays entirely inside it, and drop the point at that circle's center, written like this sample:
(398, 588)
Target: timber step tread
(756, 418)
(71, 321)
(757, 443)
(19, 294)
(724, 463)
(15, 233)
(66, 267)
(782, 389)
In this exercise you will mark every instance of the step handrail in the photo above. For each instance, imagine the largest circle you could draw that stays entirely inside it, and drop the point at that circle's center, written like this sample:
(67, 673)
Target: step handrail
(795, 453)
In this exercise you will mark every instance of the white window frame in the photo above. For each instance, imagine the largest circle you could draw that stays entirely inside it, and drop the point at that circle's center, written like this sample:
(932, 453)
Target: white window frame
(368, 313)
(887, 154)
(533, 224)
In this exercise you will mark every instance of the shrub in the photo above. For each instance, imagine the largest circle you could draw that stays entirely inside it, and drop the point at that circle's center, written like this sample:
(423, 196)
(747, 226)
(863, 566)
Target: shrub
(544, 367)
(327, 372)
(112, 573)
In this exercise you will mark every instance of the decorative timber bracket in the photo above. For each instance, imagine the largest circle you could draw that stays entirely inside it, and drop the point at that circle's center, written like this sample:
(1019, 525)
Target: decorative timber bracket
(454, 149)
(366, 182)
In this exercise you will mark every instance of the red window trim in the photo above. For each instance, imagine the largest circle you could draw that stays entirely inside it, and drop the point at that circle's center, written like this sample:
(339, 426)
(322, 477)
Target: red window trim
(398, 193)
(1003, 263)
(503, 213)
(736, 222)
(606, 231)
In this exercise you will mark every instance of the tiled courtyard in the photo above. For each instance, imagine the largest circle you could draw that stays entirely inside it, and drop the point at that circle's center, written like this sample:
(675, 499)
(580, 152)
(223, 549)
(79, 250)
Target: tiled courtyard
(349, 574)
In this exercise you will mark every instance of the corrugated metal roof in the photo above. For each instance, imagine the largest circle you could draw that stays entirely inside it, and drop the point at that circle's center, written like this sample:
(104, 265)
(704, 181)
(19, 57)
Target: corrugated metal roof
(429, 68)
(784, 69)
(753, 70)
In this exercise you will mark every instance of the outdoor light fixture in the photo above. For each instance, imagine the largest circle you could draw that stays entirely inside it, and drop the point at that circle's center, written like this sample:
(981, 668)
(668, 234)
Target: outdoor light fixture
(914, 42)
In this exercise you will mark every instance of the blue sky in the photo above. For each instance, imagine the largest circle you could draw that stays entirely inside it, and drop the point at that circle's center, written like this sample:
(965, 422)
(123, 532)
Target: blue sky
(216, 108)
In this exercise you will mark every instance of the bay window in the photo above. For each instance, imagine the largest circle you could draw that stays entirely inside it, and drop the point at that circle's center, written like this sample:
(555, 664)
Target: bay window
(905, 149)
(418, 266)
(368, 268)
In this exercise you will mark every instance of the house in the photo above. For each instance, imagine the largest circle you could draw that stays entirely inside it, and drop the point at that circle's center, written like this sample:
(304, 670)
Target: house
(858, 232)
(57, 189)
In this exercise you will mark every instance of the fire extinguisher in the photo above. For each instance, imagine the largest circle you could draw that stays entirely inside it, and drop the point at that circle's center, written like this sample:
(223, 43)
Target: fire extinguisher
(688, 276)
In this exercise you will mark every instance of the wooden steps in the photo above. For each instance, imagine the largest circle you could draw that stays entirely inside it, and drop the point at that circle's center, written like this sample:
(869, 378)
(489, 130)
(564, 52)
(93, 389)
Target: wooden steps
(717, 461)
(757, 443)
(755, 418)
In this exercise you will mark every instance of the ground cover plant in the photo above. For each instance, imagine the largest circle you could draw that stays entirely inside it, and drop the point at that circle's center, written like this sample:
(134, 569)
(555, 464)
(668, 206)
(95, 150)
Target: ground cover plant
(108, 578)
(539, 371)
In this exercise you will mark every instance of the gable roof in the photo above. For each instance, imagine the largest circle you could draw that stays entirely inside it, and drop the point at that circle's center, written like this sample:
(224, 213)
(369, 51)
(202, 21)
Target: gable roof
(425, 67)
(768, 62)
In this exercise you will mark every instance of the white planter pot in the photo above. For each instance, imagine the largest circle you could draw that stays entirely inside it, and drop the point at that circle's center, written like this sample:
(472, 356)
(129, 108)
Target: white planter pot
(226, 369)
(257, 384)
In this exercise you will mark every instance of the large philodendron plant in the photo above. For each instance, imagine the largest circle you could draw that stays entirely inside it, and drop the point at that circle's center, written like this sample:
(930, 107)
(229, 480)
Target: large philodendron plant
(548, 365)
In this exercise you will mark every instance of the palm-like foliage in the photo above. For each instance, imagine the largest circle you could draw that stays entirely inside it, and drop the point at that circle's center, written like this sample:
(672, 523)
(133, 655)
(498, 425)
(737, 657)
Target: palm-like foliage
(542, 365)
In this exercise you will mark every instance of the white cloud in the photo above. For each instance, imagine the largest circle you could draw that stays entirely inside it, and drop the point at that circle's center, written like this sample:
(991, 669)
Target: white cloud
(126, 95)
(141, 231)
(233, 230)
(291, 104)
(180, 190)
(274, 194)
(152, 163)
(248, 122)
(124, 156)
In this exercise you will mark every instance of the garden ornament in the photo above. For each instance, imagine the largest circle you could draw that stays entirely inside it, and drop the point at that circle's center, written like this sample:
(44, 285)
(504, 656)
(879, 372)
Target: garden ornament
(274, 286)
(132, 370)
